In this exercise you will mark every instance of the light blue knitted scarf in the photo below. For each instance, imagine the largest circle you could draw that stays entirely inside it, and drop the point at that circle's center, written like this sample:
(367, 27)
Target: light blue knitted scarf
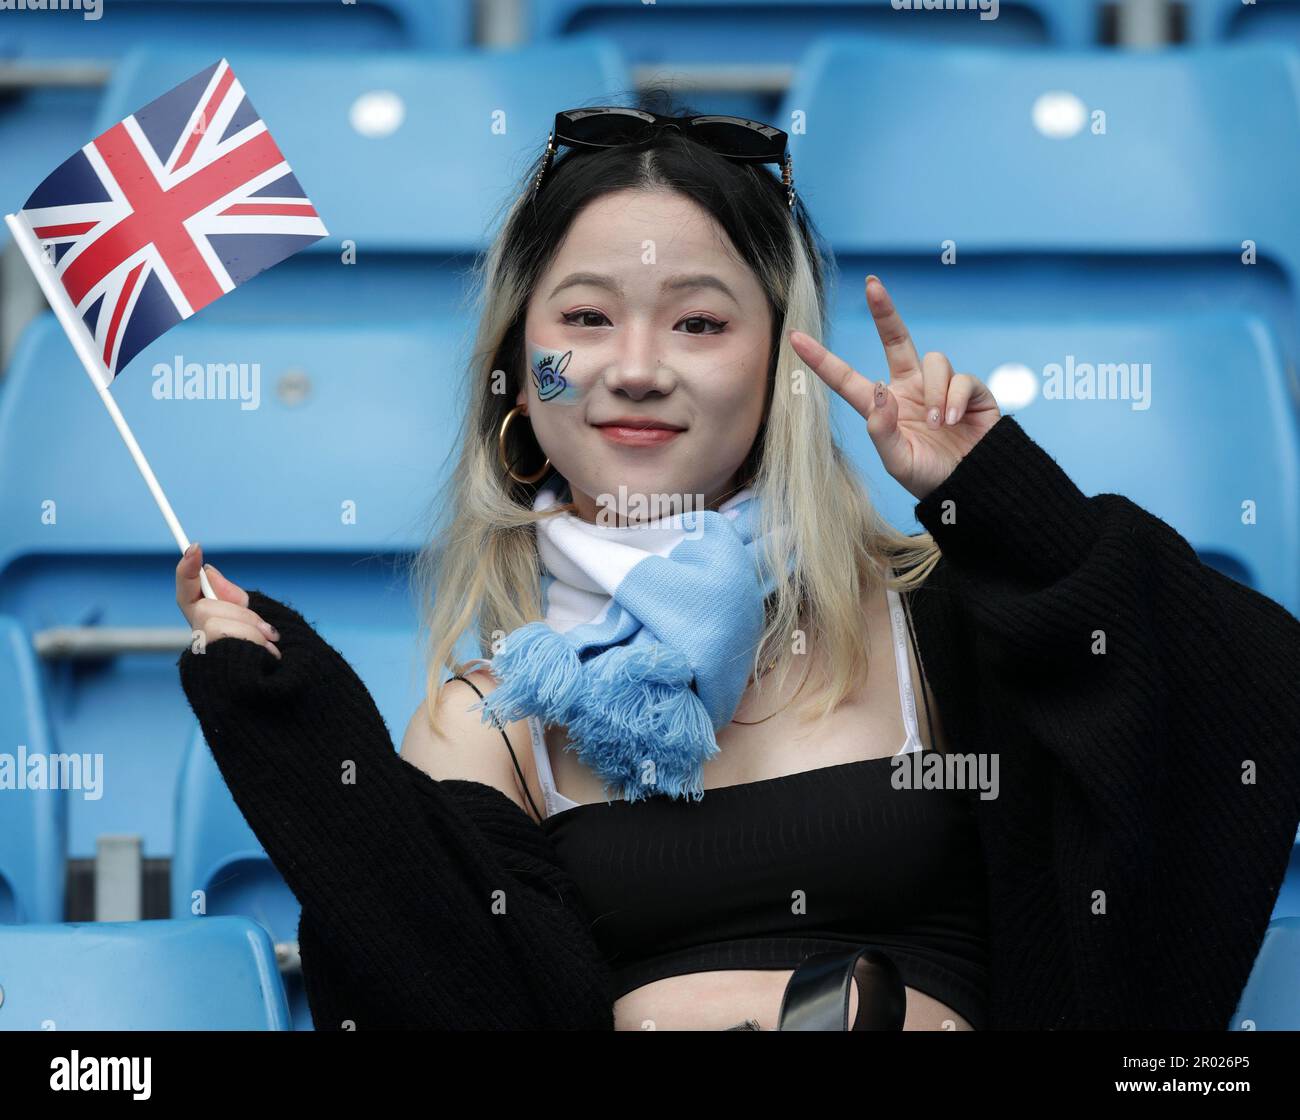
(647, 642)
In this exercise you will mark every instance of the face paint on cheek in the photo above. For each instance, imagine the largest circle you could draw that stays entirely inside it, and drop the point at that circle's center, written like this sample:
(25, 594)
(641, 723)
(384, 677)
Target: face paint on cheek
(547, 368)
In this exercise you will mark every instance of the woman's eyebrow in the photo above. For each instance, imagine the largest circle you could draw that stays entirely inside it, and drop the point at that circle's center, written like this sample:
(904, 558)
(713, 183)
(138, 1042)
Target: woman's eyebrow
(698, 280)
(595, 279)
(672, 284)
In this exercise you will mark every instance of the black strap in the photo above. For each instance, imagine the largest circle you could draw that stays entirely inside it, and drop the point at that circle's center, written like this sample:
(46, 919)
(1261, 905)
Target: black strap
(522, 783)
(818, 994)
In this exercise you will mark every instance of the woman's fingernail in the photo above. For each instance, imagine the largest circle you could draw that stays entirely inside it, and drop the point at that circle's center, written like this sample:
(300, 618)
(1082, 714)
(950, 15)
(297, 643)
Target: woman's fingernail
(270, 631)
(934, 417)
(952, 416)
(872, 276)
(274, 651)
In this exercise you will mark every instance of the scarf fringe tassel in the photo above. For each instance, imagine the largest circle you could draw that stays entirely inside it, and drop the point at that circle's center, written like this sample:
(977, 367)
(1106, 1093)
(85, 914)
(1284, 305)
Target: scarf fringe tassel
(647, 709)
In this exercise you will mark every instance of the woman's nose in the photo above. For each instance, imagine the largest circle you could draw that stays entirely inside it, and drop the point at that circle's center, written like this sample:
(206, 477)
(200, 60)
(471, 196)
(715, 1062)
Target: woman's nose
(637, 369)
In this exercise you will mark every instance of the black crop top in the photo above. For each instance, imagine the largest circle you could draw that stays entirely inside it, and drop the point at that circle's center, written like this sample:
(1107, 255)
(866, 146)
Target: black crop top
(762, 874)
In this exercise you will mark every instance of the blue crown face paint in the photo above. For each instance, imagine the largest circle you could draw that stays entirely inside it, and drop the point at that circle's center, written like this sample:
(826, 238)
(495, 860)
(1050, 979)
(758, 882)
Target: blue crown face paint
(547, 368)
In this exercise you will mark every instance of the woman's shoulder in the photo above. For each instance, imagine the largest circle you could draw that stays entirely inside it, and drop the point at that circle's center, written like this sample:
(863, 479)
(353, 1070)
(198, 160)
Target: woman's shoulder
(461, 745)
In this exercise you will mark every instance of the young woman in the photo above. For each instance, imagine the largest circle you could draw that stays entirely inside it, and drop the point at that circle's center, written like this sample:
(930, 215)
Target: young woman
(696, 754)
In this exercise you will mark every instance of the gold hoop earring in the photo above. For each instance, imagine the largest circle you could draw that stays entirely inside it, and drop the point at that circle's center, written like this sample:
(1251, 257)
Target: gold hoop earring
(501, 451)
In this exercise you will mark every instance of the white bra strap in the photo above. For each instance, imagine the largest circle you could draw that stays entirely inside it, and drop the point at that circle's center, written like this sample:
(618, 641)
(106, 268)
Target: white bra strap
(906, 693)
(542, 762)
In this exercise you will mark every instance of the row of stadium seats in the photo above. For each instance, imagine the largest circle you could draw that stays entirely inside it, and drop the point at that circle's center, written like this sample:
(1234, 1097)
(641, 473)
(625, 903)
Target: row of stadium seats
(1047, 181)
(667, 31)
(734, 55)
(1129, 169)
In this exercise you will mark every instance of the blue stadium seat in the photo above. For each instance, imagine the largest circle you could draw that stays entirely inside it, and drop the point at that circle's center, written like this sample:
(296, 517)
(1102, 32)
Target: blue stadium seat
(749, 34)
(1217, 429)
(298, 25)
(1153, 214)
(672, 31)
(32, 821)
(316, 497)
(216, 974)
(1271, 999)
(416, 201)
(1265, 21)
(220, 868)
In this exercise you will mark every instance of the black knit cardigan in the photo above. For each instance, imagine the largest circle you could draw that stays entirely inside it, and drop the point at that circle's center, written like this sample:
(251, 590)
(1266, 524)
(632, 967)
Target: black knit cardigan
(1143, 709)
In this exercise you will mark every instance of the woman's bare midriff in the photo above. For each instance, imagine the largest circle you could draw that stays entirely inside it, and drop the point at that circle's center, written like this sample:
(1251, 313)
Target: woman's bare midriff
(707, 1001)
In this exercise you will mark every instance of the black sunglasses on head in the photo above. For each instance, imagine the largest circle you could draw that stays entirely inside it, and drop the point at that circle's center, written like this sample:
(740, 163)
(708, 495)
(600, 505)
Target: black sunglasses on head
(610, 126)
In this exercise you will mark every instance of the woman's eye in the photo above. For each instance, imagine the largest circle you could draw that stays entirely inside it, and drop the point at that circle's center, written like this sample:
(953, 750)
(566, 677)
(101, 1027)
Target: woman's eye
(701, 324)
(584, 318)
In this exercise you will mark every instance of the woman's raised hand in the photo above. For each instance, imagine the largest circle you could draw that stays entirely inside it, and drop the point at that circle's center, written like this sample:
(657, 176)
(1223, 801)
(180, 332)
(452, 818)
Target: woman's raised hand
(226, 616)
(925, 417)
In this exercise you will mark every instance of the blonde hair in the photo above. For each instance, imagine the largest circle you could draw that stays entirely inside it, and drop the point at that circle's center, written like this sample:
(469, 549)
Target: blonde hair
(480, 572)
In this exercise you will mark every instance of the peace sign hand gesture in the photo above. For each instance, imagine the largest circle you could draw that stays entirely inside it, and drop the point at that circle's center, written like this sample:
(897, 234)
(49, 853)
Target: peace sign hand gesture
(926, 418)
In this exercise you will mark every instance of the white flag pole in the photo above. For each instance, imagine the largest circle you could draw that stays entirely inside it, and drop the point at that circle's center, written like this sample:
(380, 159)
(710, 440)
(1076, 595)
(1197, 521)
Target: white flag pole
(84, 346)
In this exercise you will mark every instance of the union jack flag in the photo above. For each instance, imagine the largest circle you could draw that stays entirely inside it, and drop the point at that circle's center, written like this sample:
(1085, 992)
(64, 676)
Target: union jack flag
(169, 210)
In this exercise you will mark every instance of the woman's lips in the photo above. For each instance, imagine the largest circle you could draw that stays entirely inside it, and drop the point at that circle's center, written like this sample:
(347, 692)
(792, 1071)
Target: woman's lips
(637, 437)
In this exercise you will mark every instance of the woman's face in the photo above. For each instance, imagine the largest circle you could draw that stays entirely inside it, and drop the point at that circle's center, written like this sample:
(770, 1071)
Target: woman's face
(646, 314)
